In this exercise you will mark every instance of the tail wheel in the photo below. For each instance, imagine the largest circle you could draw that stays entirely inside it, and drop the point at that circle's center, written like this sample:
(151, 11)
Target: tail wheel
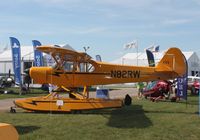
(127, 100)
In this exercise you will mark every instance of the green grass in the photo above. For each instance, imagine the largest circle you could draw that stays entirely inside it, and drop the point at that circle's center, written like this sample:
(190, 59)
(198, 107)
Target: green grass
(144, 120)
(14, 93)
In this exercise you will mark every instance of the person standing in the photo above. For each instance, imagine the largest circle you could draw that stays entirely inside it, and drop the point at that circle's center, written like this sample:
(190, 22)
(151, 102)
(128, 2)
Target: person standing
(140, 86)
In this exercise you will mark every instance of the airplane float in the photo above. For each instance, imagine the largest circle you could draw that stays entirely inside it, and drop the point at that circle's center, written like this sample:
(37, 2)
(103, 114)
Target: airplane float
(74, 69)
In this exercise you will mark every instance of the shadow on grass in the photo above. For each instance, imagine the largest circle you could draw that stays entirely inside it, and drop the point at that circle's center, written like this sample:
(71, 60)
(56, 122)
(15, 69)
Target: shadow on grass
(129, 117)
(26, 129)
(125, 117)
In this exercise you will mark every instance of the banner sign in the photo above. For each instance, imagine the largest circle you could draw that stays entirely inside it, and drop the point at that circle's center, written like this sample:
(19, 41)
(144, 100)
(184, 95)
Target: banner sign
(98, 58)
(16, 58)
(182, 87)
(182, 83)
(38, 61)
(150, 58)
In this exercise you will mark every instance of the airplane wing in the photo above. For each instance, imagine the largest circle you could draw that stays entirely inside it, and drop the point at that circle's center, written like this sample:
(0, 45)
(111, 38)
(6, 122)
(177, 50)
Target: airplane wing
(53, 50)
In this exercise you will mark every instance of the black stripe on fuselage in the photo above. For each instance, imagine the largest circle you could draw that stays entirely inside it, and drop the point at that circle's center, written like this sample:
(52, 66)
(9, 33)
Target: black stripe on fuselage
(113, 73)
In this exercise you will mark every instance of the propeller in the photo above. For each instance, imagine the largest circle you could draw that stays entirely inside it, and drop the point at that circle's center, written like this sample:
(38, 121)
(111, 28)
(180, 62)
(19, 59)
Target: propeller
(9, 73)
(26, 71)
(27, 78)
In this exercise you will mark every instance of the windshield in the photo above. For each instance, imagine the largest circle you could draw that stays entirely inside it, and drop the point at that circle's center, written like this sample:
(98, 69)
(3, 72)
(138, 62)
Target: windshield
(151, 85)
(192, 79)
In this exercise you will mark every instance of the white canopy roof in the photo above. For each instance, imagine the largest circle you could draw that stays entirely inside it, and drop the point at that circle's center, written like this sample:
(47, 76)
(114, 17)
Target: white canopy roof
(131, 58)
(26, 53)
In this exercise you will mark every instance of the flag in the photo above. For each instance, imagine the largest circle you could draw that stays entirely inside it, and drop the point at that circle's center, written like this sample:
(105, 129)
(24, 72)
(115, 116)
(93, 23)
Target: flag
(38, 61)
(16, 58)
(98, 58)
(150, 58)
(131, 45)
(156, 48)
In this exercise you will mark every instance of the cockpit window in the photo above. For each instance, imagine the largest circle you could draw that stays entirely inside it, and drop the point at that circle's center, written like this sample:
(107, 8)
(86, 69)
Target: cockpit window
(68, 66)
(151, 85)
(90, 67)
(72, 63)
(86, 67)
(78, 67)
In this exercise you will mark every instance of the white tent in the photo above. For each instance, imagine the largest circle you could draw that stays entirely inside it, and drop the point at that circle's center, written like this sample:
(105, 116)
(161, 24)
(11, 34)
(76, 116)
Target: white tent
(27, 58)
(140, 59)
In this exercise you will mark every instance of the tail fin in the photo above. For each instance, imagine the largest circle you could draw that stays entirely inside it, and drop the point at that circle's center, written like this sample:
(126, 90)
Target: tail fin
(174, 62)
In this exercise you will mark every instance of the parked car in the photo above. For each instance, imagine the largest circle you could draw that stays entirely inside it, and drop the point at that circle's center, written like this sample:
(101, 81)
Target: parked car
(194, 84)
(195, 87)
(191, 80)
(159, 88)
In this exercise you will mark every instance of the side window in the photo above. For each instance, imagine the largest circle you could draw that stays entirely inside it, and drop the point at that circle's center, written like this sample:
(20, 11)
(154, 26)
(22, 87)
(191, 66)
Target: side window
(197, 73)
(68, 66)
(90, 67)
(86, 67)
(192, 73)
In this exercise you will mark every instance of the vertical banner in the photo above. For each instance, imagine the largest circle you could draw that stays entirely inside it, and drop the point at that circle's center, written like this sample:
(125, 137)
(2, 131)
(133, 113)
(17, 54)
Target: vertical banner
(182, 87)
(16, 58)
(98, 58)
(150, 58)
(182, 83)
(38, 61)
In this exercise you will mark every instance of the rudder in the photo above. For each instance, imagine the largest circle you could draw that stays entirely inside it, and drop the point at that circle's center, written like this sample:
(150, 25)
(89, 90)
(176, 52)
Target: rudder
(173, 61)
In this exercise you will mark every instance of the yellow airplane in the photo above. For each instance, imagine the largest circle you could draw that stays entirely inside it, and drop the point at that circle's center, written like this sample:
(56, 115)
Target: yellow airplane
(77, 69)
(8, 132)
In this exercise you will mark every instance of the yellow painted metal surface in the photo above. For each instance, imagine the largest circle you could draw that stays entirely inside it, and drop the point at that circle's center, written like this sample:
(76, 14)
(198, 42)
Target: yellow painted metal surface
(65, 104)
(8, 132)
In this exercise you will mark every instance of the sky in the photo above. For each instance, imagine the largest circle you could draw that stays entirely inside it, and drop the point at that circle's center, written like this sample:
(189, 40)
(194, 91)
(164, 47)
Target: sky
(103, 25)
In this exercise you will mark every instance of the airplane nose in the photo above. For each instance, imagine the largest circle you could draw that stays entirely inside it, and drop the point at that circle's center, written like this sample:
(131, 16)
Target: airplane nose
(40, 74)
(27, 76)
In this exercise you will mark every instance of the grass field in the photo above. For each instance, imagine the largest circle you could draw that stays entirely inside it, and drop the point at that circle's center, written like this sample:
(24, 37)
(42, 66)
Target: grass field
(15, 93)
(144, 120)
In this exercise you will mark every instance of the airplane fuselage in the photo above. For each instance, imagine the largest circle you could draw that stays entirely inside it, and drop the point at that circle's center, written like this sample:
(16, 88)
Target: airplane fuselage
(78, 69)
(103, 74)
